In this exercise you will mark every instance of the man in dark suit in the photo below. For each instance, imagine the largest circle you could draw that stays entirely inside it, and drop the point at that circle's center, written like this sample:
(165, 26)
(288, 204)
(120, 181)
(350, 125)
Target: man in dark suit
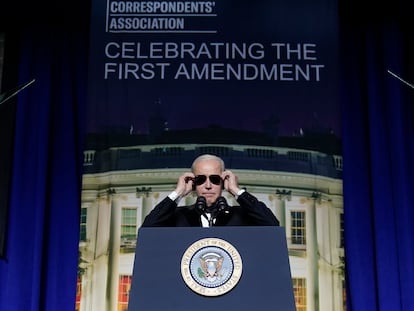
(208, 178)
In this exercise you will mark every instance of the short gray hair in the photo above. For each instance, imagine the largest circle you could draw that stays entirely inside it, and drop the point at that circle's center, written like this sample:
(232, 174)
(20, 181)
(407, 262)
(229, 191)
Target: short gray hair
(208, 157)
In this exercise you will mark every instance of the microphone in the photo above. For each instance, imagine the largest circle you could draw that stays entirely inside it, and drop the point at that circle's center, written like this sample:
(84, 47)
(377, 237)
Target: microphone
(221, 205)
(201, 205)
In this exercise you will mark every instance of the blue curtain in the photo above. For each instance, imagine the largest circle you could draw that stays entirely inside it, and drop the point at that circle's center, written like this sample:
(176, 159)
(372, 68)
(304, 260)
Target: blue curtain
(39, 271)
(378, 155)
(40, 266)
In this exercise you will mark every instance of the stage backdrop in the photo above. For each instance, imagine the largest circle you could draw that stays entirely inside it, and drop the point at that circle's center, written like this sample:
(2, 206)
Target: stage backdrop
(196, 74)
(229, 63)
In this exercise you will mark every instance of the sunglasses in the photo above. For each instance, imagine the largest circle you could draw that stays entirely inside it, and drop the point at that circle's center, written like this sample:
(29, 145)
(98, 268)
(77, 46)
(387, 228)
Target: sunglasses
(201, 179)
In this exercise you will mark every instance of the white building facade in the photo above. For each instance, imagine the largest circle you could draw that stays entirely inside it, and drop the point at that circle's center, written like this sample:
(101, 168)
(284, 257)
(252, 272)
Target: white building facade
(307, 201)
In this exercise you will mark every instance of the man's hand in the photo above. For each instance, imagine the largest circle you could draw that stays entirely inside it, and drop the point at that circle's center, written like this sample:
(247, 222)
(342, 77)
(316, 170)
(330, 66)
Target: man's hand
(185, 184)
(230, 181)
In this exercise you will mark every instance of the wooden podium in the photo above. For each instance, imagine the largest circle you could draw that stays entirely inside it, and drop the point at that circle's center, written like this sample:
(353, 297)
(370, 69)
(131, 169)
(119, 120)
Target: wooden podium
(248, 269)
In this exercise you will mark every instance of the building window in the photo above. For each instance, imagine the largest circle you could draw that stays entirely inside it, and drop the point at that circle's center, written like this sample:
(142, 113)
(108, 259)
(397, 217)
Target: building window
(298, 227)
(128, 229)
(124, 286)
(129, 221)
(83, 214)
(343, 295)
(299, 290)
(78, 293)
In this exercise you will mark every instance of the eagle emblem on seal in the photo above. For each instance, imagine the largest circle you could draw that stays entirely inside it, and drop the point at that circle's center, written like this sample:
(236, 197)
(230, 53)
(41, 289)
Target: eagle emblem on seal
(210, 266)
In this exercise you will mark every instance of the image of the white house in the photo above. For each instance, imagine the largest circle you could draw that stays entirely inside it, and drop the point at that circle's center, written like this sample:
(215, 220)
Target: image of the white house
(299, 179)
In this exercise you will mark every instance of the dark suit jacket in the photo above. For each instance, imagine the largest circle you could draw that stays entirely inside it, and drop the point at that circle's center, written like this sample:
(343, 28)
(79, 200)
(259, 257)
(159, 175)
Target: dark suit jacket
(251, 212)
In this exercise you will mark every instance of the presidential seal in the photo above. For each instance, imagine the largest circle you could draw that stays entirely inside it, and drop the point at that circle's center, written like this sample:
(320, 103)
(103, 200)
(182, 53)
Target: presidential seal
(211, 267)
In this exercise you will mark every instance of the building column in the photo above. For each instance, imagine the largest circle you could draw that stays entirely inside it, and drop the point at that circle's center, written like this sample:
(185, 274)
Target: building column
(146, 200)
(282, 196)
(114, 251)
(312, 283)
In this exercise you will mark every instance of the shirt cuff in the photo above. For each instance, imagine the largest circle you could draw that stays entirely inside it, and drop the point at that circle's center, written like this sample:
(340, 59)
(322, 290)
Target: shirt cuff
(174, 196)
(239, 193)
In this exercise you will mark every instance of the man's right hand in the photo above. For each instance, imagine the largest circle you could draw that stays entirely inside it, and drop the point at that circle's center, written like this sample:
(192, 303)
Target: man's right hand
(185, 184)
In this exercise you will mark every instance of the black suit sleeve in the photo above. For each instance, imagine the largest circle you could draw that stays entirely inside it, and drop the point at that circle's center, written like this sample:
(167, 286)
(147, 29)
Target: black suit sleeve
(256, 211)
(162, 215)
